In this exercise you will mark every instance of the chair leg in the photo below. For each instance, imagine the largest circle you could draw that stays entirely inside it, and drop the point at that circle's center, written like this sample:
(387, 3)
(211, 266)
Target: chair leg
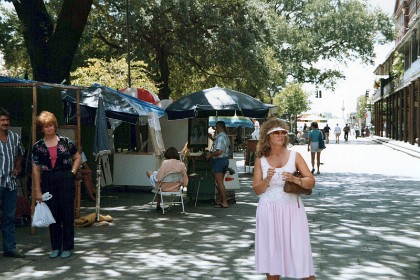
(151, 203)
(182, 202)
(198, 191)
(162, 204)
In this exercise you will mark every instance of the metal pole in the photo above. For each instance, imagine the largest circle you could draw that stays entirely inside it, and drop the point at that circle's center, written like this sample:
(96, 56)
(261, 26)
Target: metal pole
(128, 43)
(98, 186)
(33, 136)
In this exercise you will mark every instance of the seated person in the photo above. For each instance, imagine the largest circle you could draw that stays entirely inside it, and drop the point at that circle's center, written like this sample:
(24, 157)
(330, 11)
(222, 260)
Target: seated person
(171, 164)
(87, 178)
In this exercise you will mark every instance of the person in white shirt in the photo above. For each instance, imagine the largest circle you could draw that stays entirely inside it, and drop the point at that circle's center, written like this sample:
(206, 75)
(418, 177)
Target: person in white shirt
(337, 132)
(357, 130)
(256, 133)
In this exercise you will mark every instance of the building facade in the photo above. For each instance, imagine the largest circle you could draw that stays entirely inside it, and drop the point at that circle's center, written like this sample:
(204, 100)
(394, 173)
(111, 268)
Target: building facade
(397, 97)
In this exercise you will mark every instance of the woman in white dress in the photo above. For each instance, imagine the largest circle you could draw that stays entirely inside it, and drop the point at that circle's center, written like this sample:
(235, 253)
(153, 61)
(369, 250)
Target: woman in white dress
(282, 242)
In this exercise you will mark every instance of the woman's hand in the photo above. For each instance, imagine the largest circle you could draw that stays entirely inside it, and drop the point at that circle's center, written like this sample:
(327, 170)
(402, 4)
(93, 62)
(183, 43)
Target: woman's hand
(287, 176)
(270, 173)
(38, 196)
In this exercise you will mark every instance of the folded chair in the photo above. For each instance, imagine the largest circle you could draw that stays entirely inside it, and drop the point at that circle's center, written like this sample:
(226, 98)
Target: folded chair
(169, 178)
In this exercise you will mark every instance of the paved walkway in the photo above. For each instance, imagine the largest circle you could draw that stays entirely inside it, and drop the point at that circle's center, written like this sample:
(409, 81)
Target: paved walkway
(363, 222)
(413, 150)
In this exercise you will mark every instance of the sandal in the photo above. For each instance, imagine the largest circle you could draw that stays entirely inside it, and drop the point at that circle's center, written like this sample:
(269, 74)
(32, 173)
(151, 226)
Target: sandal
(221, 205)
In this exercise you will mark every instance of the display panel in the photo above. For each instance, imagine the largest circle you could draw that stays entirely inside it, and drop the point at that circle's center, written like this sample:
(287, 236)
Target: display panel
(197, 133)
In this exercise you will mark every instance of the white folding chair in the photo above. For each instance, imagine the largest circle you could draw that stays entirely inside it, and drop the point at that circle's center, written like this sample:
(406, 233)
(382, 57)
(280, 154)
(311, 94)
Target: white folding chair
(175, 177)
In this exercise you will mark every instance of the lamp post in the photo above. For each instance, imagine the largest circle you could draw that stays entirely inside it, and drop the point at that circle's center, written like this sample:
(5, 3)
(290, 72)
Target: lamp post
(272, 93)
(368, 114)
(128, 40)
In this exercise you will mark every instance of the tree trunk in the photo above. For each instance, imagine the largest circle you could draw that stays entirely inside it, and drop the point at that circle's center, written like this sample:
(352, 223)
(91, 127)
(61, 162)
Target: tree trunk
(51, 48)
(162, 58)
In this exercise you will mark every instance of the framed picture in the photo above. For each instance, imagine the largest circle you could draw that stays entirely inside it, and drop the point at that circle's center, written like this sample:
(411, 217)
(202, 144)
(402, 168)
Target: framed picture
(197, 133)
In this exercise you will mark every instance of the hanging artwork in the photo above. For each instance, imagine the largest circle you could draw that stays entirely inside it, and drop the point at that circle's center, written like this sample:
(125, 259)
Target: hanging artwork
(198, 133)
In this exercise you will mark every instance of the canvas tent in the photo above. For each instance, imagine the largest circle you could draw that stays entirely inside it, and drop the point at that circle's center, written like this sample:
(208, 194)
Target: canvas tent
(118, 105)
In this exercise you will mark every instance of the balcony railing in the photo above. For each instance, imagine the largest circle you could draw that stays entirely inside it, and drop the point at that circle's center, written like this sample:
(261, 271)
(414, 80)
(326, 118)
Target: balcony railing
(413, 70)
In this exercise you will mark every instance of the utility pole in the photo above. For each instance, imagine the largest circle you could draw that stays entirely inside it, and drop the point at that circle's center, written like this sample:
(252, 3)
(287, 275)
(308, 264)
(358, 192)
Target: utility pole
(128, 40)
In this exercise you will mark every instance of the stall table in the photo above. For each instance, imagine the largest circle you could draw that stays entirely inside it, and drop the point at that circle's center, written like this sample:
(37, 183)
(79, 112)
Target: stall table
(130, 168)
(200, 167)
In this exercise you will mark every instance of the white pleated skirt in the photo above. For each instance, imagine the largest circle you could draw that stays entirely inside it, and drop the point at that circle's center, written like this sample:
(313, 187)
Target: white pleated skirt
(282, 242)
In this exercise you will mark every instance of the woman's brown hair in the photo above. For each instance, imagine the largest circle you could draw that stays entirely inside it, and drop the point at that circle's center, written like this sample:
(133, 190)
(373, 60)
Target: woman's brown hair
(263, 146)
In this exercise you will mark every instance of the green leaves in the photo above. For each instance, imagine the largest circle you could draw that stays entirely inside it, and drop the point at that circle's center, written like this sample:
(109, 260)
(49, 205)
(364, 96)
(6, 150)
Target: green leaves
(113, 74)
(188, 45)
(292, 100)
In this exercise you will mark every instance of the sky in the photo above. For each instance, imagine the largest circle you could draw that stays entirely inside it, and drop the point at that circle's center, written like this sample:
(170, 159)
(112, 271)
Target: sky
(359, 78)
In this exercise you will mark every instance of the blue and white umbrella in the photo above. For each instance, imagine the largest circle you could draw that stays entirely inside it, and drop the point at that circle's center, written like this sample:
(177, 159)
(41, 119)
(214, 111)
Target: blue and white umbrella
(236, 121)
(101, 144)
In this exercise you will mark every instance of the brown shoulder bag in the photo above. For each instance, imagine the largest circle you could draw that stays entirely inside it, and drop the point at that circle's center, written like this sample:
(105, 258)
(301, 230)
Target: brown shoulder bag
(290, 187)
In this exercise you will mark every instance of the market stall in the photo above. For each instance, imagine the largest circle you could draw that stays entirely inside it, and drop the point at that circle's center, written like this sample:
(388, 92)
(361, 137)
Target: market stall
(210, 105)
(129, 167)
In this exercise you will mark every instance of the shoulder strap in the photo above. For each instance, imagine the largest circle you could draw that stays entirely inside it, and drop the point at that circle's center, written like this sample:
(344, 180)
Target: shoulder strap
(293, 155)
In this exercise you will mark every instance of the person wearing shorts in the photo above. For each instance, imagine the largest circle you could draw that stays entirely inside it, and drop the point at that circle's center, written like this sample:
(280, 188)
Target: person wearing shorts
(220, 162)
(337, 132)
(313, 146)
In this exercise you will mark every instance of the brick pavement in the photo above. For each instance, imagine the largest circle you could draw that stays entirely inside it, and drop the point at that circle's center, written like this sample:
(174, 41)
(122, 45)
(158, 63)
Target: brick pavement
(365, 227)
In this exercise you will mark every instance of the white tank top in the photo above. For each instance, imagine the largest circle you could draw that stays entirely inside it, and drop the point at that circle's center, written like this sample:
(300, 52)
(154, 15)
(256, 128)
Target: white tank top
(275, 191)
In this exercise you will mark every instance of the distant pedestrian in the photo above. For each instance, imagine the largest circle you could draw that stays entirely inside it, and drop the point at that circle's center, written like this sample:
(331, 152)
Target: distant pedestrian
(337, 132)
(256, 133)
(367, 131)
(346, 130)
(327, 133)
(356, 130)
(315, 135)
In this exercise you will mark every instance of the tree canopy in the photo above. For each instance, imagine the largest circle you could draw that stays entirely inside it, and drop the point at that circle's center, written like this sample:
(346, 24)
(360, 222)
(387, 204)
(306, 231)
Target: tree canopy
(292, 101)
(112, 74)
(188, 45)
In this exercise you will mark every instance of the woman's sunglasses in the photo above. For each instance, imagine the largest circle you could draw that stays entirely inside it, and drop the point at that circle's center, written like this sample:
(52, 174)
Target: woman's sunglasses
(279, 132)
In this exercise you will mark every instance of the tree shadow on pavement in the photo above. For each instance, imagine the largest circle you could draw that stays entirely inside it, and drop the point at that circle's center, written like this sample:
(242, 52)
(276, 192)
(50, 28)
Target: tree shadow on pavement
(365, 226)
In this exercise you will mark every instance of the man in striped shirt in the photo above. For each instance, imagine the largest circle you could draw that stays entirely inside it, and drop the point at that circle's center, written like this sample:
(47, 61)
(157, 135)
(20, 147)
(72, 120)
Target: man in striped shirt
(11, 156)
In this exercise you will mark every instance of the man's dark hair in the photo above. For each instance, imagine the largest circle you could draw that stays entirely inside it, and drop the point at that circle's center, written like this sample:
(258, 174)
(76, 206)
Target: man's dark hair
(221, 124)
(4, 112)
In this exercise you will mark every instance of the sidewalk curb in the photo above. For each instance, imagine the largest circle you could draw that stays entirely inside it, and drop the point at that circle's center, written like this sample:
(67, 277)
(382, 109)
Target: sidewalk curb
(398, 145)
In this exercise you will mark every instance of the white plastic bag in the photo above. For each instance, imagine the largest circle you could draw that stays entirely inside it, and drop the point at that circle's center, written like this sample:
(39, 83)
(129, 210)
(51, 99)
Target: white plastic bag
(42, 216)
(46, 196)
